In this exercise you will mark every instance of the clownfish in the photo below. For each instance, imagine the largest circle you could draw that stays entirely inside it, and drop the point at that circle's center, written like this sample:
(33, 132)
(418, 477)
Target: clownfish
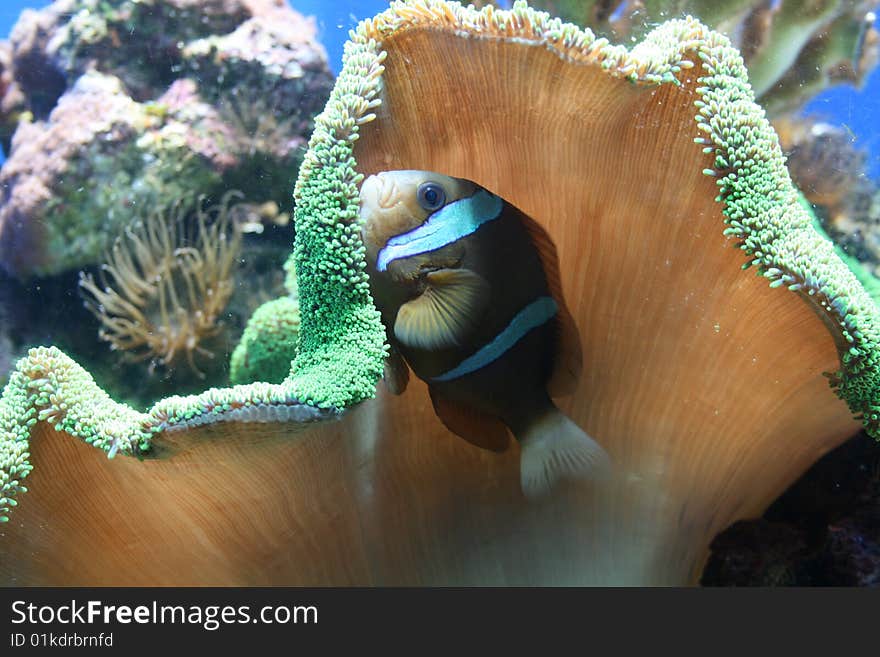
(467, 286)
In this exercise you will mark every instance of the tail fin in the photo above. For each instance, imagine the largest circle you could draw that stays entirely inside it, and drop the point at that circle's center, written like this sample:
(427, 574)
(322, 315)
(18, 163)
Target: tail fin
(555, 448)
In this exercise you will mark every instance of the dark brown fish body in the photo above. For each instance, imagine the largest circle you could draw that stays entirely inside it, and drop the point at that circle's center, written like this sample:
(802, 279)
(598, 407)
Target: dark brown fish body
(502, 253)
(464, 293)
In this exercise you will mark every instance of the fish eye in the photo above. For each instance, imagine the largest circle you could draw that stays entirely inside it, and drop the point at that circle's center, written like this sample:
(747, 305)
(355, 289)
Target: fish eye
(431, 196)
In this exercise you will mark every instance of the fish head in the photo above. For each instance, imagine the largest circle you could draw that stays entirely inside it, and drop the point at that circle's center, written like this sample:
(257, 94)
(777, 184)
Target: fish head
(395, 202)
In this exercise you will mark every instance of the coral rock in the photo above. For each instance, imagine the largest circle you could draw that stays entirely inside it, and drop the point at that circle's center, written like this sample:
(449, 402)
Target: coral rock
(124, 104)
(46, 174)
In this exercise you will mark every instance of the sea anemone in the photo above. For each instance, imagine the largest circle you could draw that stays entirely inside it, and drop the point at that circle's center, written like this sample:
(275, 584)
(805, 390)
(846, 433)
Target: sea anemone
(268, 345)
(659, 180)
(165, 284)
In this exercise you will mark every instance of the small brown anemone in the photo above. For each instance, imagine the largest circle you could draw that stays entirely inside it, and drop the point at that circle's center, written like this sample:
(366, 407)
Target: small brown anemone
(823, 160)
(166, 282)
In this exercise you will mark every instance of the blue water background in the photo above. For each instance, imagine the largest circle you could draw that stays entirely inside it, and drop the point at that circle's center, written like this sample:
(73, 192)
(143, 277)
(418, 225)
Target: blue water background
(855, 109)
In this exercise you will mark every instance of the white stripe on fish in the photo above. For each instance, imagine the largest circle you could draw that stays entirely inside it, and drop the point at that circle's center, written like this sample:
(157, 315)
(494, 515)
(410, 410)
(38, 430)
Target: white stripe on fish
(536, 314)
(449, 224)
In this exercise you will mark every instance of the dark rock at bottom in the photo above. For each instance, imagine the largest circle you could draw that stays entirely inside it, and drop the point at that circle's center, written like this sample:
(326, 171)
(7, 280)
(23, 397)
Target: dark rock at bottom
(823, 531)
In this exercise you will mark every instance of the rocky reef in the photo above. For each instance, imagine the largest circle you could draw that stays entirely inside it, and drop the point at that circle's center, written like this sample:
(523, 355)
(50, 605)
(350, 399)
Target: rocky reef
(824, 531)
(829, 168)
(116, 111)
(122, 104)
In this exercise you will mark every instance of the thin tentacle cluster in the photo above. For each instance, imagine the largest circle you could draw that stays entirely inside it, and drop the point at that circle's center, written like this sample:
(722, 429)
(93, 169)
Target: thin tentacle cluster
(166, 283)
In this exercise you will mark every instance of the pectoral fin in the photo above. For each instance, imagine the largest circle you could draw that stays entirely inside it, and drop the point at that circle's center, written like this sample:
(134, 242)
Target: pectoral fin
(479, 429)
(445, 313)
(396, 374)
(569, 356)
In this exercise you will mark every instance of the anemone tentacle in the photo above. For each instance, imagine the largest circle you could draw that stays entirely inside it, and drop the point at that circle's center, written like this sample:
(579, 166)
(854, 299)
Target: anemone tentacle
(255, 402)
(49, 386)
(764, 214)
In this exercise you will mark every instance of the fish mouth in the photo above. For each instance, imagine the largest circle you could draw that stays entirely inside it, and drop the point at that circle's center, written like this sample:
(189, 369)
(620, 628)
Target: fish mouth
(380, 191)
